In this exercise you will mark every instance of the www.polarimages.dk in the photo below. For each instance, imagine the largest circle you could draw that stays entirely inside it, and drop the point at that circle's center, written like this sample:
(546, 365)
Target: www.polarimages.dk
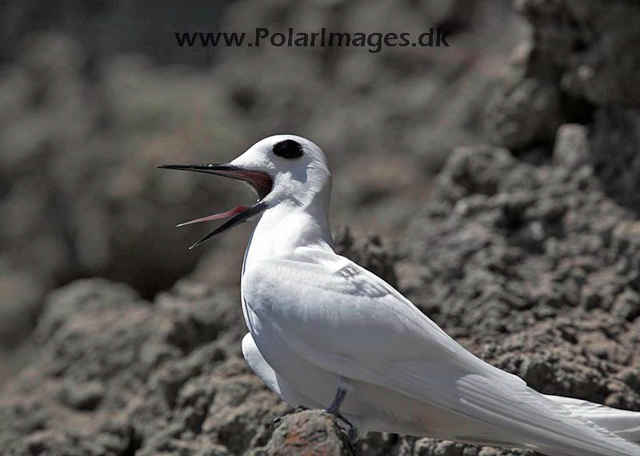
(374, 42)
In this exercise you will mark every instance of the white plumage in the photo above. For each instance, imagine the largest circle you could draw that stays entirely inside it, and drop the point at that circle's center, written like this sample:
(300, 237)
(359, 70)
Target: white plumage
(318, 321)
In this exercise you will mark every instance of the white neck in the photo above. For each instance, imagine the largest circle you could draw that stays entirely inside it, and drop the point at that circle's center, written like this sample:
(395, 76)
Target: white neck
(292, 231)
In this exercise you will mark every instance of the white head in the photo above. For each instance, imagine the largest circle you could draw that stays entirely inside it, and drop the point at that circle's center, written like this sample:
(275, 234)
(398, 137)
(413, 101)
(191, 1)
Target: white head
(282, 170)
(297, 167)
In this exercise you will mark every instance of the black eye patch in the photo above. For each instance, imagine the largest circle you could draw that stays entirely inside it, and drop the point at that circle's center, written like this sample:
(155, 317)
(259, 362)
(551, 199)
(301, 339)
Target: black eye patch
(288, 149)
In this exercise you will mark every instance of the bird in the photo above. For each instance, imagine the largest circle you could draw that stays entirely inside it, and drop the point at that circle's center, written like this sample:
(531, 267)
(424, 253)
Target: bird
(326, 333)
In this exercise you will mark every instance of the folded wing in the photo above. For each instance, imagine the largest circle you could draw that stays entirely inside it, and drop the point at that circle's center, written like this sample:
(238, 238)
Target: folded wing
(344, 319)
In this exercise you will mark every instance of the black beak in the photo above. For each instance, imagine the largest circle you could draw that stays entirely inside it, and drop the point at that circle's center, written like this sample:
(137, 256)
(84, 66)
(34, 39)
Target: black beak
(261, 182)
(212, 168)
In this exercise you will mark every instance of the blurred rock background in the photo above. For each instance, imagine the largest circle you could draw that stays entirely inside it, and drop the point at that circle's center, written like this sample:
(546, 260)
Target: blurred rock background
(525, 249)
(93, 97)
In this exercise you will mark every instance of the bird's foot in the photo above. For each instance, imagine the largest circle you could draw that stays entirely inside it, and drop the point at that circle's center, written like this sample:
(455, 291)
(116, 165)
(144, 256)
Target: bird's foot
(351, 433)
(345, 426)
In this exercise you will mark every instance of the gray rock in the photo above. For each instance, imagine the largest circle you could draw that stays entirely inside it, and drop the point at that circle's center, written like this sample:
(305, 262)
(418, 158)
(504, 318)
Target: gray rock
(584, 41)
(523, 112)
(571, 148)
(368, 253)
(115, 375)
(614, 145)
(578, 66)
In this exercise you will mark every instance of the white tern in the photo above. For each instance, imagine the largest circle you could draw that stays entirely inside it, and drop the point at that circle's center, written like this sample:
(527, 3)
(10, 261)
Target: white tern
(326, 333)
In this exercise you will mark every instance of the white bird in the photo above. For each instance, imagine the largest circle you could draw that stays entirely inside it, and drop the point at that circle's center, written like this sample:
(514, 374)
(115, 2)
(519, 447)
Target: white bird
(326, 333)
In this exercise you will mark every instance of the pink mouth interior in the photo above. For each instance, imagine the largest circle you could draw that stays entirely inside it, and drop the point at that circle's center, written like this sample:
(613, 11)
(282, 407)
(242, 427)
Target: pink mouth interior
(261, 182)
(229, 213)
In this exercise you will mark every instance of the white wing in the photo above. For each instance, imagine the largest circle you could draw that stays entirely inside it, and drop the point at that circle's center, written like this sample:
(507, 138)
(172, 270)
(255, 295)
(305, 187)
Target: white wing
(344, 319)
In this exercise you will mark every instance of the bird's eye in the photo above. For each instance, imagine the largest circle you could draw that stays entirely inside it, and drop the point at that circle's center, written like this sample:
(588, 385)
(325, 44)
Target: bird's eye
(288, 149)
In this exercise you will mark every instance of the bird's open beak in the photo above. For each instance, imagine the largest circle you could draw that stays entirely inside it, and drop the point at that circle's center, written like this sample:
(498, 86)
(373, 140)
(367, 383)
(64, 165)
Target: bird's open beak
(260, 182)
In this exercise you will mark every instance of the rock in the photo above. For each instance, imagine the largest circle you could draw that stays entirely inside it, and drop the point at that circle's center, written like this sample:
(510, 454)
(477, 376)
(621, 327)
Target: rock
(627, 305)
(587, 59)
(614, 145)
(312, 433)
(21, 293)
(527, 111)
(368, 253)
(82, 296)
(86, 396)
(116, 375)
(571, 148)
(579, 66)
(429, 447)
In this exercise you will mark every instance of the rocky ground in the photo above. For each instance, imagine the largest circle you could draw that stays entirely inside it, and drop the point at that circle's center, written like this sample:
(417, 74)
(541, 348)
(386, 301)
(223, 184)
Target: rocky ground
(526, 250)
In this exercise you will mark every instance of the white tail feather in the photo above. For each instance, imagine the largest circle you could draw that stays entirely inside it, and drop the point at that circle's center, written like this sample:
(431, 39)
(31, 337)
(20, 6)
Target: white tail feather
(623, 423)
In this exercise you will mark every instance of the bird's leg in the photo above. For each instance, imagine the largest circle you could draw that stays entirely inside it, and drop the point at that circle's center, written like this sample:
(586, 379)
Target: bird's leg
(334, 409)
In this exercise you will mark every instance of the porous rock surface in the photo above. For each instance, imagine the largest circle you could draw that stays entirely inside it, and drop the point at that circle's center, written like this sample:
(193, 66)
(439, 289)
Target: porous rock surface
(119, 376)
